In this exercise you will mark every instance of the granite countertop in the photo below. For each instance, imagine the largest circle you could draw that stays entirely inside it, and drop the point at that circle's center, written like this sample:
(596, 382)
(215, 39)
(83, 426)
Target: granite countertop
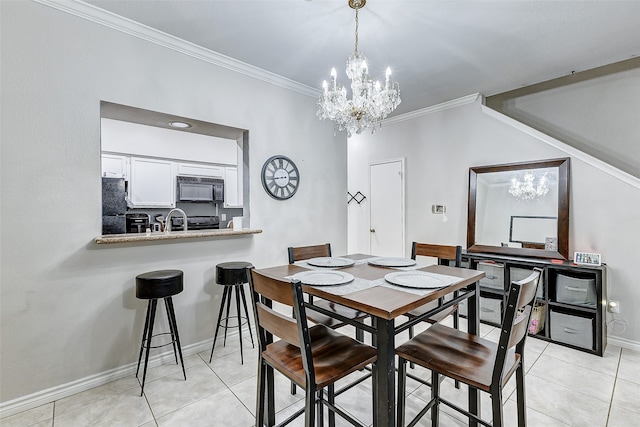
(174, 235)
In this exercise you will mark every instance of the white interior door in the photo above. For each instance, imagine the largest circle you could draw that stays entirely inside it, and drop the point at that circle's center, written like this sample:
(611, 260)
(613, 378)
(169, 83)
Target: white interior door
(386, 231)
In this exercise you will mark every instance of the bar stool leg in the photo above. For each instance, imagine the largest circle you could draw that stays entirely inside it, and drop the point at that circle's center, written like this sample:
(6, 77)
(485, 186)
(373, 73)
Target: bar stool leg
(237, 287)
(226, 320)
(246, 311)
(175, 329)
(144, 335)
(171, 330)
(154, 304)
(215, 336)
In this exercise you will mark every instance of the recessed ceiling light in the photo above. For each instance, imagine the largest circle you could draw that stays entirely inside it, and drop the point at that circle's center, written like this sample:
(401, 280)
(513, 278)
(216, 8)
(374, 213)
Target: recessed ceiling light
(181, 125)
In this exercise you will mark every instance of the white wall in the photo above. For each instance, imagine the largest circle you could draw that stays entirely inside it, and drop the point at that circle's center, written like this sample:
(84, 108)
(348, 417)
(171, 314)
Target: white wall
(442, 146)
(68, 306)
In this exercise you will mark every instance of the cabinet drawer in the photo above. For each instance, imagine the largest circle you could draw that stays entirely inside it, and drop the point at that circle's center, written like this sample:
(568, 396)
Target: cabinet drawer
(516, 273)
(490, 309)
(574, 290)
(572, 329)
(494, 275)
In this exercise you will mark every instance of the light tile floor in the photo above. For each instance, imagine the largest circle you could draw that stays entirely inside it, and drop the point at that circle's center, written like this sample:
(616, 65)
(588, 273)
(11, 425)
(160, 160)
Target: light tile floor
(564, 388)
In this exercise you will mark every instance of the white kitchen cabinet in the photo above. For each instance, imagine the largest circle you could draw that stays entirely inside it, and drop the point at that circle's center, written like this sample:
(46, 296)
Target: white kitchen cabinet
(153, 183)
(232, 188)
(200, 170)
(115, 166)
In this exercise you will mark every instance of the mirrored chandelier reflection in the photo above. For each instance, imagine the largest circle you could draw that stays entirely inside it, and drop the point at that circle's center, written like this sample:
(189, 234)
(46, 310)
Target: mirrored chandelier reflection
(371, 101)
(527, 189)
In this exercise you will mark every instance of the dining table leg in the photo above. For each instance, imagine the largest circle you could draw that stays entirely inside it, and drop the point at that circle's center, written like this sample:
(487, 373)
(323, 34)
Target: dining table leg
(473, 327)
(385, 374)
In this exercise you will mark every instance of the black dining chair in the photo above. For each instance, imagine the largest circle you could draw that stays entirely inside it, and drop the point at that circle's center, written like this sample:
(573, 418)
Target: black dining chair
(302, 253)
(446, 255)
(481, 364)
(313, 357)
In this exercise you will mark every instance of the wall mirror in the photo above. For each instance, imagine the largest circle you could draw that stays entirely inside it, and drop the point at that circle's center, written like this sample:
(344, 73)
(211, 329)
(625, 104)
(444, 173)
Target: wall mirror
(520, 209)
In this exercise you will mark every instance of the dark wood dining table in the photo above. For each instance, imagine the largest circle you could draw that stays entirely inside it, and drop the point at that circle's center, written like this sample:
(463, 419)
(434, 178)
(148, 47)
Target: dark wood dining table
(385, 304)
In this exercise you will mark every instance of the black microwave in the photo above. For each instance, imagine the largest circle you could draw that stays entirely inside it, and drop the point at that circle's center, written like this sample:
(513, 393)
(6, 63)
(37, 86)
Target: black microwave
(200, 189)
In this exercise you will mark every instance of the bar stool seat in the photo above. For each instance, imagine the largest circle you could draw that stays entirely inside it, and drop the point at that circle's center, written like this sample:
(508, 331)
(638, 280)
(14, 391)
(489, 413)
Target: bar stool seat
(152, 286)
(232, 275)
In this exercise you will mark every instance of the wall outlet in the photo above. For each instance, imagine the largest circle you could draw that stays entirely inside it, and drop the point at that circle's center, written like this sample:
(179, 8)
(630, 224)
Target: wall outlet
(614, 306)
(223, 217)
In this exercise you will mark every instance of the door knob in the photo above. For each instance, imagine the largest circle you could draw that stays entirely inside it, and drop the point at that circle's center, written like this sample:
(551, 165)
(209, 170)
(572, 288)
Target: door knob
(373, 230)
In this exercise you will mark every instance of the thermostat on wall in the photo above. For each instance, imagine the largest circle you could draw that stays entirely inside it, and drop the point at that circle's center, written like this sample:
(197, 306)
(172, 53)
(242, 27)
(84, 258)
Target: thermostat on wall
(586, 258)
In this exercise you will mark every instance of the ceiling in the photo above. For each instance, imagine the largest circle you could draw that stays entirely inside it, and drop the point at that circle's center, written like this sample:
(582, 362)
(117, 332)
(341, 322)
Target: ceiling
(439, 50)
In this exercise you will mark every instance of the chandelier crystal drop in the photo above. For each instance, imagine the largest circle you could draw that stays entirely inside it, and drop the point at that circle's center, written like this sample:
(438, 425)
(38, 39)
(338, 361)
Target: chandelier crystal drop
(527, 190)
(371, 101)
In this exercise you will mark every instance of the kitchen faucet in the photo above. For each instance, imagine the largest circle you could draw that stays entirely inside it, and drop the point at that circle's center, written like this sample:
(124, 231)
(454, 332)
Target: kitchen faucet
(167, 226)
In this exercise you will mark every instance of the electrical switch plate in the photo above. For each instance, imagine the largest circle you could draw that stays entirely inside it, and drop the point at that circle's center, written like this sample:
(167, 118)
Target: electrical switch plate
(438, 209)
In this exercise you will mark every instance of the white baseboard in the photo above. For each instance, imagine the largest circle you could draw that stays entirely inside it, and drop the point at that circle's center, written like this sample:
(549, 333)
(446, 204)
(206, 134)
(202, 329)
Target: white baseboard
(65, 390)
(624, 343)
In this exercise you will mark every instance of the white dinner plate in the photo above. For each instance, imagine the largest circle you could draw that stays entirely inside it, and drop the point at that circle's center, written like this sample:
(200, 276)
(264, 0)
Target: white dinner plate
(331, 262)
(414, 279)
(323, 278)
(393, 262)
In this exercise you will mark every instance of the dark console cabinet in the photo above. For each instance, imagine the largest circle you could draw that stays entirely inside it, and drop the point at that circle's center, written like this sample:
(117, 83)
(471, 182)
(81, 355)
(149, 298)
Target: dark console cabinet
(570, 305)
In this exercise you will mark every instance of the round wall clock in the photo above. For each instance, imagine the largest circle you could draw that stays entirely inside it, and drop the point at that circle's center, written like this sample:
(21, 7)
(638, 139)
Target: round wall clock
(280, 177)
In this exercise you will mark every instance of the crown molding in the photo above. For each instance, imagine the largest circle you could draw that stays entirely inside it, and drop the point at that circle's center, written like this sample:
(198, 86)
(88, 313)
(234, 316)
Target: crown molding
(136, 29)
(572, 151)
(469, 99)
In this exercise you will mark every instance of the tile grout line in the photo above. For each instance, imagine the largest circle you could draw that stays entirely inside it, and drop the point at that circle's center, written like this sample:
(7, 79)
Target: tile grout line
(615, 382)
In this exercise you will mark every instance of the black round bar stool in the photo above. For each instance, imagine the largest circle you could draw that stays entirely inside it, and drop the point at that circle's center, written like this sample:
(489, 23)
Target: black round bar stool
(232, 275)
(153, 286)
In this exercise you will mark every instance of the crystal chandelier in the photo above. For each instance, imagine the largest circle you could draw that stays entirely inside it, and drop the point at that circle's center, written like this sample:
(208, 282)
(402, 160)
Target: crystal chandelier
(527, 190)
(371, 102)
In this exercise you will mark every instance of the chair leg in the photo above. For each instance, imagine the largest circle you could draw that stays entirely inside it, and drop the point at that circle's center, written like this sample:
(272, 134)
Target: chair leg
(271, 398)
(175, 330)
(521, 395)
(144, 335)
(435, 394)
(246, 312)
(331, 389)
(152, 316)
(456, 325)
(238, 312)
(411, 332)
(261, 394)
(402, 389)
(359, 334)
(215, 336)
(310, 406)
(319, 409)
(496, 408)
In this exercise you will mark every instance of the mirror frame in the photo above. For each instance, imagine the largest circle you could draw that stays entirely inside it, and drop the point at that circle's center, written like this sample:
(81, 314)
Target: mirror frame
(562, 252)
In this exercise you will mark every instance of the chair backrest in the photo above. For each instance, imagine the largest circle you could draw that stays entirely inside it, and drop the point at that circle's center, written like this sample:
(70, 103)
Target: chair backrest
(515, 323)
(444, 253)
(265, 290)
(306, 252)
